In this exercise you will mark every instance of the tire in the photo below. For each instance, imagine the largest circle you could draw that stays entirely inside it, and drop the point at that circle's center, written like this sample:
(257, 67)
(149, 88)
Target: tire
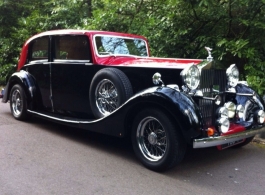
(18, 103)
(109, 89)
(246, 142)
(156, 141)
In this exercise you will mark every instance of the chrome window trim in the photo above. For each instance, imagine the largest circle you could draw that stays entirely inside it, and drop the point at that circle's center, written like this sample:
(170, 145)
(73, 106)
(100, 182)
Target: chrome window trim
(116, 36)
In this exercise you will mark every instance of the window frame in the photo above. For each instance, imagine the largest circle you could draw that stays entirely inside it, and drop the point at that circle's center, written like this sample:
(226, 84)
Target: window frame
(58, 60)
(32, 60)
(116, 36)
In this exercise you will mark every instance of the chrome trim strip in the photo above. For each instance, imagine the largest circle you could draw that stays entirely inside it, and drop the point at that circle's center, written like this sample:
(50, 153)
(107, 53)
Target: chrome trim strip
(216, 141)
(209, 98)
(70, 61)
(245, 94)
(51, 117)
(119, 36)
(88, 64)
(64, 120)
(240, 94)
(51, 97)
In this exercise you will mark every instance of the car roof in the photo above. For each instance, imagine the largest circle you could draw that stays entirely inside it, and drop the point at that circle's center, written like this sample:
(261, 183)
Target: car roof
(82, 32)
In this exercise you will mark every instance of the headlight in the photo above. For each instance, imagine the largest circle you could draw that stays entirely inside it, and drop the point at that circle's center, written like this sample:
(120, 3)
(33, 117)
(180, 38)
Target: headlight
(260, 116)
(240, 111)
(191, 77)
(222, 112)
(231, 107)
(223, 125)
(232, 74)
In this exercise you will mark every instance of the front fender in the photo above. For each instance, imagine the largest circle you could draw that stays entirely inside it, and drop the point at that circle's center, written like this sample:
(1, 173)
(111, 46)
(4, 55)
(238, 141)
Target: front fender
(180, 107)
(242, 99)
(24, 79)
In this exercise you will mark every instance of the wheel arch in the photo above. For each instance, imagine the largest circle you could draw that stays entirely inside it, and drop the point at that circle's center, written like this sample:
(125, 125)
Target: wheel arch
(26, 81)
(187, 118)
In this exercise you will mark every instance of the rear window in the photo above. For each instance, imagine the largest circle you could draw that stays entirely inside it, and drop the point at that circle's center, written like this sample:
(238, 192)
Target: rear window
(39, 49)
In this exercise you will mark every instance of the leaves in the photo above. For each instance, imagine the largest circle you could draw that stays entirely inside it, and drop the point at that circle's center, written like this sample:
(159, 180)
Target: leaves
(235, 29)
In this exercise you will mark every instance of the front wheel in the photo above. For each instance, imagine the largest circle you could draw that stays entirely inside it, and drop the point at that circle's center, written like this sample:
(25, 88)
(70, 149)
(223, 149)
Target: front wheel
(156, 140)
(18, 103)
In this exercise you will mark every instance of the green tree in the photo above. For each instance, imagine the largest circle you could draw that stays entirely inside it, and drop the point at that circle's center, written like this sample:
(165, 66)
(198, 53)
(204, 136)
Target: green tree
(235, 29)
(21, 19)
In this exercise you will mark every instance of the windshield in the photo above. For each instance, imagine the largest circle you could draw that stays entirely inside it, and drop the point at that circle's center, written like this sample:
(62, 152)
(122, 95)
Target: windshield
(111, 45)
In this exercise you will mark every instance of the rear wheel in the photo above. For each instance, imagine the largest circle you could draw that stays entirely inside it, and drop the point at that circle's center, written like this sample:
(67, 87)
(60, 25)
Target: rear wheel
(156, 141)
(18, 103)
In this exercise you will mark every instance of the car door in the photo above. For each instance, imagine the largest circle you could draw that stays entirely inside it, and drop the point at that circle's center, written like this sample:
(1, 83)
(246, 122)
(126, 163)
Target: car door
(38, 66)
(71, 74)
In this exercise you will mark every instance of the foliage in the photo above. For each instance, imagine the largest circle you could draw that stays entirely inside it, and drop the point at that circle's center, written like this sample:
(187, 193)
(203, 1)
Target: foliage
(5, 72)
(21, 19)
(235, 29)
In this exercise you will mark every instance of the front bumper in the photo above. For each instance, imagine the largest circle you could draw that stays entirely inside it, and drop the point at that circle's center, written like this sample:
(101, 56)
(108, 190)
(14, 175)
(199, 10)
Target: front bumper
(220, 140)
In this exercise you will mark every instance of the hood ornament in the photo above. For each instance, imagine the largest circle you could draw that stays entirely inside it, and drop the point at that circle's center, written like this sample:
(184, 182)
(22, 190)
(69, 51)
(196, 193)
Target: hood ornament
(209, 58)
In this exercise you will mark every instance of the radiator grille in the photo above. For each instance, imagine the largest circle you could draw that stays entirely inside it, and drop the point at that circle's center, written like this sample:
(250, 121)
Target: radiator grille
(212, 82)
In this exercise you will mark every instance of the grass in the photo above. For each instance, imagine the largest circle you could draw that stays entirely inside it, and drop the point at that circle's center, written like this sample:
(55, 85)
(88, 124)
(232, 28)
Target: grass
(260, 145)
(259, 142)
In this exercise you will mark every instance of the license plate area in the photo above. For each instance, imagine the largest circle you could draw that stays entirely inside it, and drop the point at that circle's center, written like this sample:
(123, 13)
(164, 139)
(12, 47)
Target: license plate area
(230, 144)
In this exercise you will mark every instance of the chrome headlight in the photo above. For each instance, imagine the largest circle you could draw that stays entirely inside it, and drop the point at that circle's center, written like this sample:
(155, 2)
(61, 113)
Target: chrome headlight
(231, 107)
(232, 74)
(260, 116)
(240, 111)
(191, 77)
(222, 112)
(223, 125)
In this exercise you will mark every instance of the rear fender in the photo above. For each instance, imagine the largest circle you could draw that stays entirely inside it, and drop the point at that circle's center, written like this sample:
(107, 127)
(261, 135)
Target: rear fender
(26, 81)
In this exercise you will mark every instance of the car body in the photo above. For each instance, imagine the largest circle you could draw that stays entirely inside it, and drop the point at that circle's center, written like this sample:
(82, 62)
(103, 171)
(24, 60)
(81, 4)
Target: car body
(107, 82)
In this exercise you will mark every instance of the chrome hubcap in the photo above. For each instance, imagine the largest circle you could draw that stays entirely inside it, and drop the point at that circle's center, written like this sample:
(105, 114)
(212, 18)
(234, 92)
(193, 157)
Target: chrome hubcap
(106, 97)
(151, 139)
(16, 102)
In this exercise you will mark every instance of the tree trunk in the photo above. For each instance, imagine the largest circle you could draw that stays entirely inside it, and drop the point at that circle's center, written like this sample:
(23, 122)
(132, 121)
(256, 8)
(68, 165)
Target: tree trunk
(89, 3)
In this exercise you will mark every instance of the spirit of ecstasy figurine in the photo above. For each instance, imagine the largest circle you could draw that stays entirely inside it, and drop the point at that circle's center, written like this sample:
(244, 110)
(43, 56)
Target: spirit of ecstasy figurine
(209, 58)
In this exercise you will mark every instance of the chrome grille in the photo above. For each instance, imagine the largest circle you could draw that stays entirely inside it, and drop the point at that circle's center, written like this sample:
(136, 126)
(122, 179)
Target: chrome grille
(212, 82)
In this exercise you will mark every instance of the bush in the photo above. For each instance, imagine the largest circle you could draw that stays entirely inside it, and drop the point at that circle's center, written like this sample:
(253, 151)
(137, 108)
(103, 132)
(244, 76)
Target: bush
(5, 73)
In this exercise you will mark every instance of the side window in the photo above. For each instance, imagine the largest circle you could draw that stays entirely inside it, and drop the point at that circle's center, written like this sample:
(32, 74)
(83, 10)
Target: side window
(39, 49)
(72, 47)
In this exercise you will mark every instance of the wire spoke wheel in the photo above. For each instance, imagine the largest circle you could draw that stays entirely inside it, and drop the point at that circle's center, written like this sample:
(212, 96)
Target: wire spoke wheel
(16, 103)
(109, 89)
(152, 138)
(157, 140)
(106, 97)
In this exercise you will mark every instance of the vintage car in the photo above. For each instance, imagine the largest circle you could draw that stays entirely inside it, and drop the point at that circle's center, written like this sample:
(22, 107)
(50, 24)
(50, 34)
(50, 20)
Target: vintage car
(107, 82)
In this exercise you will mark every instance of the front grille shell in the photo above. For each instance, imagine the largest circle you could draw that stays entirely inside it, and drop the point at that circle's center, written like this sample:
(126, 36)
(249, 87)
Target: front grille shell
(213, 82)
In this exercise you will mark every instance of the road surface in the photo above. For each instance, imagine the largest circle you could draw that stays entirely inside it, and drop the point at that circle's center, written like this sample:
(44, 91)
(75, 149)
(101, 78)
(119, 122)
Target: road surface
(40, 157)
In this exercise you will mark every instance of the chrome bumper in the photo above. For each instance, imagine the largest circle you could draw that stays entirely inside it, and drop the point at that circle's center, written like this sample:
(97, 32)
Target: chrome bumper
(220, 140)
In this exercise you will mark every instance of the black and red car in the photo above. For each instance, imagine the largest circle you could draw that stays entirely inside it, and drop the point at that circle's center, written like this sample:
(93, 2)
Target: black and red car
(107, 82)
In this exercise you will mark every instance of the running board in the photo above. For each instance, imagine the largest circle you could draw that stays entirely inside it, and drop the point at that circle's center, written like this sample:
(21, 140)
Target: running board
(59, 118)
